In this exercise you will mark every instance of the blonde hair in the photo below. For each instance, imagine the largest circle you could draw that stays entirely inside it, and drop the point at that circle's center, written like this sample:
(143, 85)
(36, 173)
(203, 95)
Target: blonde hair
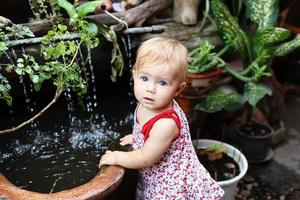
(163, 52)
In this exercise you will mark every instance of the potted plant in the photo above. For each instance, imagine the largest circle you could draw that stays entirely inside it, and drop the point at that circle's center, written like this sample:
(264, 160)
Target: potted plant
(203, 70)
(256, 48)
(202, 74)
(214, 151)
(226, 164)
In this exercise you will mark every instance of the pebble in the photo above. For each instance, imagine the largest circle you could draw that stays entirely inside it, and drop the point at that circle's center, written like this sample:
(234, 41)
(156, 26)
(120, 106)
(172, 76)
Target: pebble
(245, 193)
(251, 189)
(282, 197)
(248, 179)
(249, 186)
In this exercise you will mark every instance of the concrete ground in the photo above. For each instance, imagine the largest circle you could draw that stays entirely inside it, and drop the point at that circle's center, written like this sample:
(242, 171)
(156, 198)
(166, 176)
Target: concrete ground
(278, 178)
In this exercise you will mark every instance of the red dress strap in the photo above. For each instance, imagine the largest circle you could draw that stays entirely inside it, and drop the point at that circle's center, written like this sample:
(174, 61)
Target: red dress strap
(167, 114)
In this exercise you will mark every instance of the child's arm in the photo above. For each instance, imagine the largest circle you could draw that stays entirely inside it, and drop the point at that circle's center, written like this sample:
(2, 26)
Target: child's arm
(161, 136)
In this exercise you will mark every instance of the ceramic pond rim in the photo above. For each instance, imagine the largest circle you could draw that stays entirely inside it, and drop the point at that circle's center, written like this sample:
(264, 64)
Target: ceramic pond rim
(106, 181)
(232, 152)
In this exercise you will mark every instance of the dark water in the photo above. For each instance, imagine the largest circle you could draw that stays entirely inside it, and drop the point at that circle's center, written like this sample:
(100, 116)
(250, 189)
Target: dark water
(64, 150)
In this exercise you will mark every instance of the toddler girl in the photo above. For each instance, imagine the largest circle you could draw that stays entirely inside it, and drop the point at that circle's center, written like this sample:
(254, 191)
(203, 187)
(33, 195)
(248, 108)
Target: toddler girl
(162, 148)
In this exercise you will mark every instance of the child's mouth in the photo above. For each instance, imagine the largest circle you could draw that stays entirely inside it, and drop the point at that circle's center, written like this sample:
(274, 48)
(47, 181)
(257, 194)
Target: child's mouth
(148, 99)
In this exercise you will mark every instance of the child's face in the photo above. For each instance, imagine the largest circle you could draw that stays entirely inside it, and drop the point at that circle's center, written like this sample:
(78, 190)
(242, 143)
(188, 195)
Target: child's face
(155, 87)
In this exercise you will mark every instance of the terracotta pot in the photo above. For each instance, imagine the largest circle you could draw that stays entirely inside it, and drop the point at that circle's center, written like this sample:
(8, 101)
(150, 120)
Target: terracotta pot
(103, 184)
(188, 107)
(198, 84)
(185, 104)
(206, 79)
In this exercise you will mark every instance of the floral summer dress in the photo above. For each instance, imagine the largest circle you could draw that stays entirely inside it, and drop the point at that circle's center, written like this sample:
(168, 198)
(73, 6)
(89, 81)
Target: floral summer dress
(178, 175)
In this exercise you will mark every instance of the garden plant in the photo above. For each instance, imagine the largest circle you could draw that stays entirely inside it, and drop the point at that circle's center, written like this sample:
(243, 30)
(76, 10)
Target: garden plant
(59, 51)
(255, 47)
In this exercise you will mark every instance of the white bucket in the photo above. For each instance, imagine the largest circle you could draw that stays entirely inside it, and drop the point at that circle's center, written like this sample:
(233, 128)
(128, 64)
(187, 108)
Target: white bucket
(229, 186)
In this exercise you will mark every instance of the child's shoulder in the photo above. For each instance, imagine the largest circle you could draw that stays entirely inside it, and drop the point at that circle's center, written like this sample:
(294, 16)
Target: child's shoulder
(166, 125)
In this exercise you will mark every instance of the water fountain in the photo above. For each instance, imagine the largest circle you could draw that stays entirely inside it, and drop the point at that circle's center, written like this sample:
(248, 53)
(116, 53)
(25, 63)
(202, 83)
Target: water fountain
(57, 157)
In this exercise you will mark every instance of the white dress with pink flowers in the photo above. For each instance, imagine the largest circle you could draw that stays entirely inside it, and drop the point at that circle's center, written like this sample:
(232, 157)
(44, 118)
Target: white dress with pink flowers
(178, 175)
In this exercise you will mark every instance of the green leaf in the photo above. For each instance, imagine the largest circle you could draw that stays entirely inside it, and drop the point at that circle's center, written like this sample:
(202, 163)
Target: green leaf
(229, 28)
(287, 47)
(19, 71)
(264, 41)
(37, 87)
(62, 27)
(271, 35)
(202, 58)
(87, 8)
(3, 46)
(224, 97)
(35, 78)
(263, 12)
(26, 31)
(92, 28)
(117, 59)
(72, 47)
(254, 92)
(20, 65)
(5, 90)
(20, 60)
(68, 7)
(60, 49)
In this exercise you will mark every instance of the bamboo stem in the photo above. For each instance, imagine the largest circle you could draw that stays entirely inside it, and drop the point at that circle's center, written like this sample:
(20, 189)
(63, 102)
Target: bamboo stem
(37, 40)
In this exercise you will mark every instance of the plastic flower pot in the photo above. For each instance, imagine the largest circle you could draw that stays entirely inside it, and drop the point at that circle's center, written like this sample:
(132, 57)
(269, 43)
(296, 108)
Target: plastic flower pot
(255, 147)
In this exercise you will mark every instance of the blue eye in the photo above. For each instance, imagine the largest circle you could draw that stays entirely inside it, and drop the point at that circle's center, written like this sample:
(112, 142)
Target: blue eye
(144, 78)
(162, 83)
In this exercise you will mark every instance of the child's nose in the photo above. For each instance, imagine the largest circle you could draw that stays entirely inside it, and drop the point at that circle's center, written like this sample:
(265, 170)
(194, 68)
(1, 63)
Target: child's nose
(150, 88)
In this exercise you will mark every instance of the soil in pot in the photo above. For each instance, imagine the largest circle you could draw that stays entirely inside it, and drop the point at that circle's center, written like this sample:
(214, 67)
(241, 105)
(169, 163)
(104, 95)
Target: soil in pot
(254, 130)
(221, 169)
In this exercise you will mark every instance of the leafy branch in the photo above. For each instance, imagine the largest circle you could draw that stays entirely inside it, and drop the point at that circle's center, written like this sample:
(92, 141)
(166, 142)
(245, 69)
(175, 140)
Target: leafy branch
(59, 53)
(57, 95)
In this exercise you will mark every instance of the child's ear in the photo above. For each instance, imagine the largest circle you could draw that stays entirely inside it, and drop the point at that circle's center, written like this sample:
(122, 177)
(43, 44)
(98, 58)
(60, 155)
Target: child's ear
(133, 72)
(180, 88)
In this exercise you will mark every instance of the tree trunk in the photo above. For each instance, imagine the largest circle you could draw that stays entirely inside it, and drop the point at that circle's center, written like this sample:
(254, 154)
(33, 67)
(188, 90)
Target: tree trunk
(186, 11)
(132, 16)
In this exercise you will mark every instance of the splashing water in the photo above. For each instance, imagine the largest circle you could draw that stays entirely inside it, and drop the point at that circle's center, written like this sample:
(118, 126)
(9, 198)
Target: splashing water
(68, 157)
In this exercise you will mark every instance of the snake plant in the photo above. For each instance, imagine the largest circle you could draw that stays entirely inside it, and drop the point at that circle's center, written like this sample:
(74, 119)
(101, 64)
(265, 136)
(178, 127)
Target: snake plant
(256, 49)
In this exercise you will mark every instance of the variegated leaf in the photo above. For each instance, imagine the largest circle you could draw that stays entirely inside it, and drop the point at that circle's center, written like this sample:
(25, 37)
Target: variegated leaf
(271, 35)
(265, 40)
(287, 47)
(254, 92)
(263, 12)
(223, 97)
(229, 28)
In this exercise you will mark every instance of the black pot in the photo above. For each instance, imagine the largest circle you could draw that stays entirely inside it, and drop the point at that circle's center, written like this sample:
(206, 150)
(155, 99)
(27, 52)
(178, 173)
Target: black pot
(255, 147)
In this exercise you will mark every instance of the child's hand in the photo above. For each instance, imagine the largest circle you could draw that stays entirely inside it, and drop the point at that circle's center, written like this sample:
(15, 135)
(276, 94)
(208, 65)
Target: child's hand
(108, 158)
(126, 140)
